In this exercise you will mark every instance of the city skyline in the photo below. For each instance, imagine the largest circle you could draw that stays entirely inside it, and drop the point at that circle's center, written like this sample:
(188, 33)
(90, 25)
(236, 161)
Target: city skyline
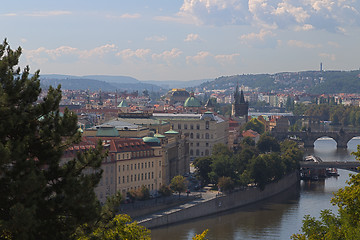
(183, 40)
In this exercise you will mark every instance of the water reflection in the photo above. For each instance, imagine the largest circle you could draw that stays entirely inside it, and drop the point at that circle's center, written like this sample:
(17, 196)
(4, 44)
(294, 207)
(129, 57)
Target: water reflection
(275, 218)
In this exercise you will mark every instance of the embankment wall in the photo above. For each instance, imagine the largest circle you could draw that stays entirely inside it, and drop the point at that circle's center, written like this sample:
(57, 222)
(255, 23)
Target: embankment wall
(224, 202)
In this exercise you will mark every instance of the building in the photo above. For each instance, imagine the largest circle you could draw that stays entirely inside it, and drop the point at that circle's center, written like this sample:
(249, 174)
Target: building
(240, 107)
(202, 131)
(177, 96)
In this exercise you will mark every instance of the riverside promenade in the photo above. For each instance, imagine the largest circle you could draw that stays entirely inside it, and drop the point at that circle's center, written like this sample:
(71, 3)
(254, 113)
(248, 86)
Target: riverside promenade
(212, 202)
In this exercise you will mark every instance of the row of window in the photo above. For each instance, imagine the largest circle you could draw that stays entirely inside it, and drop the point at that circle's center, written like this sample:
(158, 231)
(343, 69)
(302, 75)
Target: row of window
(130, 167)
(134, 178)
(207, 136)
(207, 125)
(198, 144)
(197, 152)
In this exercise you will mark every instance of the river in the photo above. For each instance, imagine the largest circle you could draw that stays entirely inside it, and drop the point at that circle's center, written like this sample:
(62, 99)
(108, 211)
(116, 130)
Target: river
(275, 218)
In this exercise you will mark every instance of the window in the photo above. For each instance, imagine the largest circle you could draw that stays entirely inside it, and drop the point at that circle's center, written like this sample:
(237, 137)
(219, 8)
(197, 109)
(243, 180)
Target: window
(191, 126)
(135, 178)
(207, 125)
(198, 126)
(123, 168)
(142, 165)
(138, 165)
(131, 178)
(119, 168)
(207, 144)
(131, 167)
(191, 152)
(145, 165)
(197, 144)
(145, 176)
(123, 179)
(135, 166)
(142, 176)
(149, 176)
(160, 163)
(191, 135)
(185, 126)
(179, 126)
(207, 135)
(152, 164)
(198, 135)
(119, 180)
(127, 178)
(127, 167)
(152, 175)
(197, 152)
(191, 144)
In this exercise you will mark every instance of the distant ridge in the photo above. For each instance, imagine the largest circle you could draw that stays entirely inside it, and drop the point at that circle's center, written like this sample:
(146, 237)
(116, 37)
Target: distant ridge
(96, 82)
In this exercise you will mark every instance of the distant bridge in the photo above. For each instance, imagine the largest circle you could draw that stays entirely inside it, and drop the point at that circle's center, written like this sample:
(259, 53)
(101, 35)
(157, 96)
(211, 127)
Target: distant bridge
(351, 166)
(308, 137)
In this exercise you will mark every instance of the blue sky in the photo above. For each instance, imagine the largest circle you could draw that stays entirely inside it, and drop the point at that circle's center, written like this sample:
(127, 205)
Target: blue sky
(183, 40)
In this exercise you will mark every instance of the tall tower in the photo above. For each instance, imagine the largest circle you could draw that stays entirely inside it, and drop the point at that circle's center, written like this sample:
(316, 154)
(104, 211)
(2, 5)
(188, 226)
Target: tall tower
(321, 68)
(240, 107)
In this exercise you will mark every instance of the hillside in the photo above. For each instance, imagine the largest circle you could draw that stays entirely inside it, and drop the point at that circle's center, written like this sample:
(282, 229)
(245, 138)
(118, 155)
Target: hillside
(97, 82)
(309, 81)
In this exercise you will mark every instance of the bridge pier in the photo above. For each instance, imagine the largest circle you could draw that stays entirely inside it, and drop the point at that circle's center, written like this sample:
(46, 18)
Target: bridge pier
(342, 144)
(308, 144)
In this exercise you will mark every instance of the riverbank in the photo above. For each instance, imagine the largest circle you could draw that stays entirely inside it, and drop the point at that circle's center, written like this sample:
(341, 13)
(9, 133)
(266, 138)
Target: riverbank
(215, 203)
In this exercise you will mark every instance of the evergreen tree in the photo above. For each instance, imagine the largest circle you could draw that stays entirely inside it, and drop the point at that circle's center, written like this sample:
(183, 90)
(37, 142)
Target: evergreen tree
(41, 197)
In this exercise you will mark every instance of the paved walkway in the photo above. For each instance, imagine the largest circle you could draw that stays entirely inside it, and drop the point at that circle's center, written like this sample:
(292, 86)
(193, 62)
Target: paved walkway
(205, 196)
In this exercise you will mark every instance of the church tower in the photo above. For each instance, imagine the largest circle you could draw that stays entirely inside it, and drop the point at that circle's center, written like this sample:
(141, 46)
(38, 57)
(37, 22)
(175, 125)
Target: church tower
(240, 107)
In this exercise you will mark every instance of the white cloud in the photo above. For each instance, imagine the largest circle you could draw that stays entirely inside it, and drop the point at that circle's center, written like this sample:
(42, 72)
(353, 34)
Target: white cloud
(48, 13)
(192, 37)
(305, 27)
(138, 53)
(167, 55)
(226, 59)
(301, 15)
(198, 58)
(332, 57)
(99, 51)
(9, 14)
(156, 38)
(257, 36)
(301, 44)
(124, 16)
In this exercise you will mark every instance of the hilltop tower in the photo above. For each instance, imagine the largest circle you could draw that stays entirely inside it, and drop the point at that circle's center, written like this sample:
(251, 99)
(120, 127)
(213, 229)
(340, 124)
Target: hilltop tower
(240, 107)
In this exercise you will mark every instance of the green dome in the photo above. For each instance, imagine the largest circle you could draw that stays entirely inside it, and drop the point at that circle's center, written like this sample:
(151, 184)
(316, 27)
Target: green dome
(171, 132)
(192, 102)
(151, 140)
(157, 135)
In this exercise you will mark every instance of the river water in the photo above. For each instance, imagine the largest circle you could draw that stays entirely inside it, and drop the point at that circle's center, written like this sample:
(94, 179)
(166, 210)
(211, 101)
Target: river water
(275, 218)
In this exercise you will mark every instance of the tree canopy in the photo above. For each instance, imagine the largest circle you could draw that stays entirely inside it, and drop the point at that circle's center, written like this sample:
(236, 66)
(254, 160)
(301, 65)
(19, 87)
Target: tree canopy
(41, 196)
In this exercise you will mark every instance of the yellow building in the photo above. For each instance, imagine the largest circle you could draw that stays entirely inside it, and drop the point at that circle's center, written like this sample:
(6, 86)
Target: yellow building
(202, 131)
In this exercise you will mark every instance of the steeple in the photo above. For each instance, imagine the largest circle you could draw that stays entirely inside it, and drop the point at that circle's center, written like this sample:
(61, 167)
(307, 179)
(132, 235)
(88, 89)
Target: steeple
(242, 99)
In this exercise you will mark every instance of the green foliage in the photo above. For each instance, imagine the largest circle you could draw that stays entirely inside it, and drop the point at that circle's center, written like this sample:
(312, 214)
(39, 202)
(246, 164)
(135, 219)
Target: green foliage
(203, 168)
(247, 166)
(165, 190)
(201, 236)
(268, 143)
(41, 197)
(226, 184)
(178, 184)
(120, 227)
(344, 225)
(255, 125)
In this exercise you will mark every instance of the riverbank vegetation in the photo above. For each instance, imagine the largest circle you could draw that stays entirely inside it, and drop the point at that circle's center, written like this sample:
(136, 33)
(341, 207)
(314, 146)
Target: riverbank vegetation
(260, 163)
(338, 114)
(345, 224)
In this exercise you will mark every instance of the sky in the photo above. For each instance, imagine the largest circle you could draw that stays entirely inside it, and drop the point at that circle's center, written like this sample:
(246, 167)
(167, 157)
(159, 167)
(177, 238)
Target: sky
(182, 40)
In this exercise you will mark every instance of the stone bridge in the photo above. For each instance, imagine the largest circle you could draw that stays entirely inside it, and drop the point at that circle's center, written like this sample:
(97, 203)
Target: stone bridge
(308, 138)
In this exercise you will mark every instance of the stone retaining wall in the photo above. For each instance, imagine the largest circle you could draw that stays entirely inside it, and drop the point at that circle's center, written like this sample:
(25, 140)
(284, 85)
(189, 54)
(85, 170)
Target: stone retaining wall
(224, 202)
